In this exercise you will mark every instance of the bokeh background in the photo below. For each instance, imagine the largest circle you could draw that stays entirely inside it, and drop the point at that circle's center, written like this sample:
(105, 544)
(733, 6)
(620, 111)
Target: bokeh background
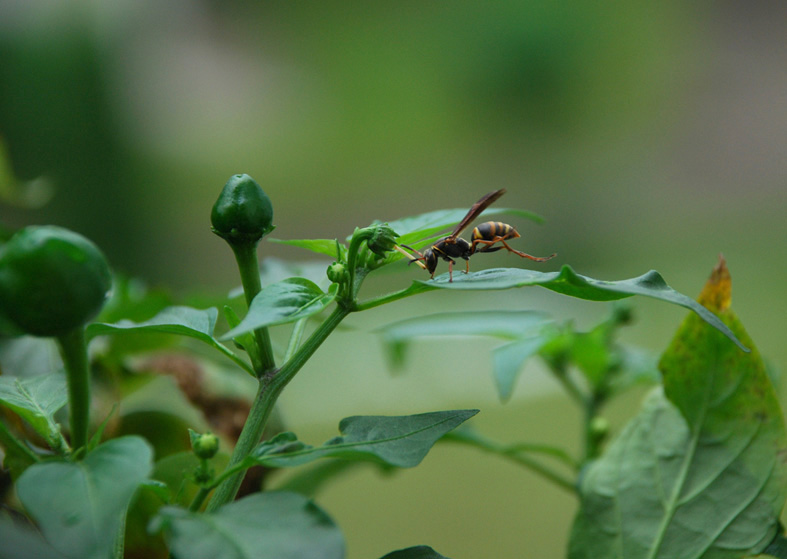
(650, 135)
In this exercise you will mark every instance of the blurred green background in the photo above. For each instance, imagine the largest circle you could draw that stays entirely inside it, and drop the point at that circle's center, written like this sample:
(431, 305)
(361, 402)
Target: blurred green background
(649, 135)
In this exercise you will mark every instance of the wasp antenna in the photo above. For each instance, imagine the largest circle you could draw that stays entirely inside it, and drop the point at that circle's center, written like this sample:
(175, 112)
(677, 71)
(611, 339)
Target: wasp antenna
(409, 256)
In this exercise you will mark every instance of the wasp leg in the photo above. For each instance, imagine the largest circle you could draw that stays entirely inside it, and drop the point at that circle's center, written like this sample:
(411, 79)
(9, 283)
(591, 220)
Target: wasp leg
(489, 243)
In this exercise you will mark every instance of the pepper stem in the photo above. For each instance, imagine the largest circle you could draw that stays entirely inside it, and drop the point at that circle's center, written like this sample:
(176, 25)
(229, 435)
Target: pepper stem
(73, 349)
(246, 257)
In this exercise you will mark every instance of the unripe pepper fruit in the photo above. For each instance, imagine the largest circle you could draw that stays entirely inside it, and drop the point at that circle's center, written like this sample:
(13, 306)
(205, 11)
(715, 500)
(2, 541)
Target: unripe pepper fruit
(52, 280)
(243, 213)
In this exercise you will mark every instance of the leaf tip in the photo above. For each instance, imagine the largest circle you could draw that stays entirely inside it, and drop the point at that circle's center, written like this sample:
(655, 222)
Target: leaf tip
(717, 293)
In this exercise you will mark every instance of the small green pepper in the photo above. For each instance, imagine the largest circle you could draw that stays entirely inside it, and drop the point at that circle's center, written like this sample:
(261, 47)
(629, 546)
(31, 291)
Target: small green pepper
(52, 280)
(243, 213)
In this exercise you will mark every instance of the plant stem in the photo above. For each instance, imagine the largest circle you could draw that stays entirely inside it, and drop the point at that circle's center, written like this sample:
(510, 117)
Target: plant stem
(73, 348)
(517, 454)
(414, 289)
(269, 390)
(246, 257)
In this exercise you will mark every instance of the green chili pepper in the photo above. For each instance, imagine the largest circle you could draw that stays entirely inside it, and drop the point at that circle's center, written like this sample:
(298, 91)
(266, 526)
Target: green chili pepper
(243, 213)
(52, 280)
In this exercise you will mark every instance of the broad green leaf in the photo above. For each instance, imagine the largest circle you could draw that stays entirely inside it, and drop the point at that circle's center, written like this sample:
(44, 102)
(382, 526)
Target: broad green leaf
(570, 283)
(698, 475)
(418, 227)
(270, 525)
(178, 320)
(410, 229)
(79, 506)
(417, 552)
(36, 400)
(279, 303)
(401, 441)
(183, 321)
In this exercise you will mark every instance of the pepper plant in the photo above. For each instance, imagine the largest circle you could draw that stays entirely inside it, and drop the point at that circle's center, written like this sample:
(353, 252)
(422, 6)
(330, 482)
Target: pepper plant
(89, 488)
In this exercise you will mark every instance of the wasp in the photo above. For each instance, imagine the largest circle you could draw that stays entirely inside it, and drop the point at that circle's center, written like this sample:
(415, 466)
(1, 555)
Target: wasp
(485, 237)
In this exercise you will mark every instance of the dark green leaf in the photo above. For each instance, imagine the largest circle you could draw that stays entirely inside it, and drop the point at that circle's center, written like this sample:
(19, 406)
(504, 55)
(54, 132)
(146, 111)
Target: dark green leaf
(279, 303)
(700, 474)
(401, 441)
(179, 320)
(79, 505)
(418, 552)
(570, 283)
(36, 399)
(270, 525)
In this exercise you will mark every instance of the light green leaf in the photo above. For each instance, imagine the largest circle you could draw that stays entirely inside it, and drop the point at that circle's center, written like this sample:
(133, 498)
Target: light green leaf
(524, 327)
(282, 302)
(79, 506)
(418, 552)
(401, 441)
(508, 360)
(418, 227)
(178, 320)
(270, 525)
(698, 475)
(36, 400)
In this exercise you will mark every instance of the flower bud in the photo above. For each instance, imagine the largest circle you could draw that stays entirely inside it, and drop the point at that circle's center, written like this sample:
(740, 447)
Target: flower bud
(337, 272)
(382, 240)
(205, 446)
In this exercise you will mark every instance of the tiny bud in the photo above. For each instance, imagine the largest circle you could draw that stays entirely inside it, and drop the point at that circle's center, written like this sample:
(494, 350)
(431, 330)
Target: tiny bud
(205, 446)
(337, 272)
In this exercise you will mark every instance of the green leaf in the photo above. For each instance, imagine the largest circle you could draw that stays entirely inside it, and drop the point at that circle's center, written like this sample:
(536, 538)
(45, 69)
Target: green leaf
(418, 552)
(36, 399)
(178, 320)
(401, 441)
(183, 321)
(270, 525)
(282, 302)
(570, 283)
(79, 506)
(700, 474)
(418, 227)
(508, 360)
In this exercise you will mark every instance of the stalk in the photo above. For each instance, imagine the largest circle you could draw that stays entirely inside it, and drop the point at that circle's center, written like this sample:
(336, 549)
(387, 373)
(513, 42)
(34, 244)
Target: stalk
(73, 348)
(268, 392)
(246, 257)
